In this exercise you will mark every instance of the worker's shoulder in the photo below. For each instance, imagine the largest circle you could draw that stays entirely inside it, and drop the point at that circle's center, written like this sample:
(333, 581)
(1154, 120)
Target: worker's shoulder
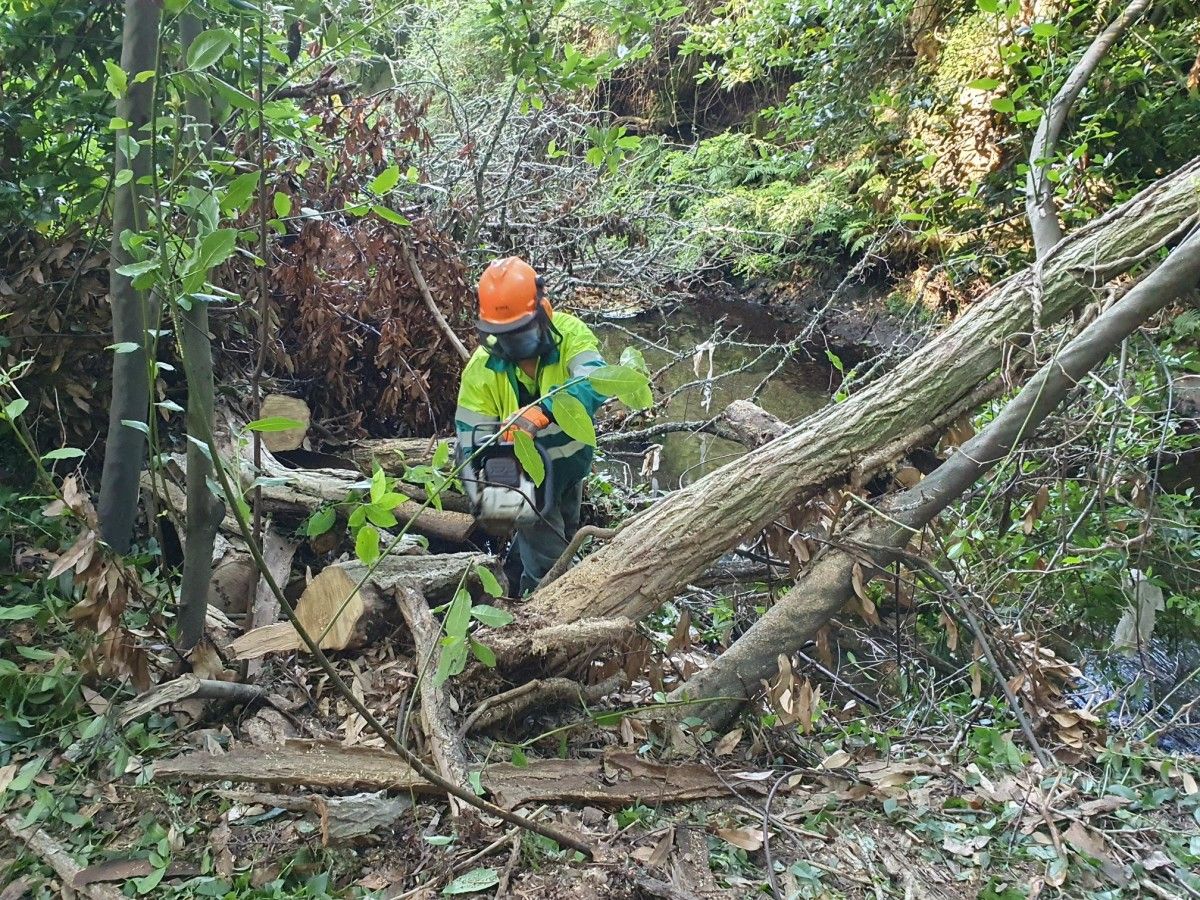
(569, 324)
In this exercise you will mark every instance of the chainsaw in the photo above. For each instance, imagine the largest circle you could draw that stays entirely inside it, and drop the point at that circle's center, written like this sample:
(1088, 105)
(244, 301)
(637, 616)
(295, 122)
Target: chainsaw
(503, 497)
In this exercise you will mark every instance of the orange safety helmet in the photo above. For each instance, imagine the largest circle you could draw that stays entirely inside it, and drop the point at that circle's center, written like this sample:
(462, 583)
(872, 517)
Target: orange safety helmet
(510, 292)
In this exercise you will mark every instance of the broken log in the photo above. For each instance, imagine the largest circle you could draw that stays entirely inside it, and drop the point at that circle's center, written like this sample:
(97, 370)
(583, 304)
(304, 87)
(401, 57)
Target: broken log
(659, 550)
(617, 779)
(340, 818)
(284, 407)
(278, 553)
(187, 687)
(392, 454)
(445, 745)
(58, 858)
(340, 616)
(537, 694)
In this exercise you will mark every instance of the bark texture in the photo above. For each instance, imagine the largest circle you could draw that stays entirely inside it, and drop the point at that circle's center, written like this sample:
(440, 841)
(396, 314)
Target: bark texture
(827, 586)
(205, 511)
(658, 551)
(125, 447)
(1039, 190)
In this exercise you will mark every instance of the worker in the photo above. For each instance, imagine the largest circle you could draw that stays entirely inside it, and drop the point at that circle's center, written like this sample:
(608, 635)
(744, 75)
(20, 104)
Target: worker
(526, 350)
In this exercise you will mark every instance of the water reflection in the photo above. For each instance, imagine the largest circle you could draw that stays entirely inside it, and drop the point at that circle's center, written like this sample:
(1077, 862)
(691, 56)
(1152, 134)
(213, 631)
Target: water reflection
(743, 344)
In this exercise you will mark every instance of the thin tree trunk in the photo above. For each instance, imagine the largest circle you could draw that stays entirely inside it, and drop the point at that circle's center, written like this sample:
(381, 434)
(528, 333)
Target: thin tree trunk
(125, 448)
(1039, 190)
(826, 588)
(658, 551)
(204, 510)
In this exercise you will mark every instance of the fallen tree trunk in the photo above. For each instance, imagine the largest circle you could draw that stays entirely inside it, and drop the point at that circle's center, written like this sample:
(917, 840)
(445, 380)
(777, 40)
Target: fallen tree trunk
(659, 550)
(828, 585)
(340, 615)
(617, 779)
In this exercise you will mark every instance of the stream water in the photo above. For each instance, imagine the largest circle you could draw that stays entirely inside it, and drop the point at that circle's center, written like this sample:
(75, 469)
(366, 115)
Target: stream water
(745, 345)
(1138, 692)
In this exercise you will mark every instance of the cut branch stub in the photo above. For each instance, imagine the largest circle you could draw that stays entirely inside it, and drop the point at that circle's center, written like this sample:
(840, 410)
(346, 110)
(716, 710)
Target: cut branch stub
(279, 406)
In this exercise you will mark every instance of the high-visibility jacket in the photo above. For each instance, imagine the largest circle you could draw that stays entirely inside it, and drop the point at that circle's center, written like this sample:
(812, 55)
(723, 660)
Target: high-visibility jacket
(493, 390)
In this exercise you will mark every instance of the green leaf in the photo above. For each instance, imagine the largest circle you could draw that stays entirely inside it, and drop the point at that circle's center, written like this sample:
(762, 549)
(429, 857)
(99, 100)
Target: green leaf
(441, 455)
(144, 75)
(1003, 105)
(366, 545)
(459, 615)
(209, 47)
(282, 203)
(123, 178)
(215, 247)
(491, 616)
(239, 192)
(15, 408)
(136, 425)
(484, 654)
(357, 517)
(63, 453)
(385, 181)
(835, 361)
(320, 521)
(1044, 29)
(274, 423)
(527, 455)
(380, 515)
(473, 881)
(631, 358)
(439, 840)
(124, 347)
(150, 882)
(989, 6)
(202, 447)
(571, 416)
(628, 385)
(490, 585)
(18, 613)
(984, 84)
(117, 82)
(388, 215)
(453, 659)
(134, 269)
(518, 758)
(378, 485)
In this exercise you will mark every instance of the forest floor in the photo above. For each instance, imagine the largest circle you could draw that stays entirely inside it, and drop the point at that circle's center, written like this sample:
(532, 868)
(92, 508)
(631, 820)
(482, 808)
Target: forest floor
(921, 799)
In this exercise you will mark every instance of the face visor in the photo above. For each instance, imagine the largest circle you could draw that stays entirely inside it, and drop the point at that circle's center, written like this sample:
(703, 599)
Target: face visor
(524, 343)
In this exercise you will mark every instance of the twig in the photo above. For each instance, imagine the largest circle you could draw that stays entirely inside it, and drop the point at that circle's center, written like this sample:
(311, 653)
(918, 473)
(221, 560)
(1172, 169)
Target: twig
(411, 261)
(1026, 728)
(766, 832)
(838, 680)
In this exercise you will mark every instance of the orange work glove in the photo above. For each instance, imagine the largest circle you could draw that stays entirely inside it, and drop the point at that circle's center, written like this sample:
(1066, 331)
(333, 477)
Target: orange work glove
(530, 421)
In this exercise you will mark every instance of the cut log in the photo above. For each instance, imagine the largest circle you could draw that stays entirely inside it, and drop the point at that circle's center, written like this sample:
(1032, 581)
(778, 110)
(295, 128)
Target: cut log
(661, 549)
(345, 618)
(333, 610)
(281, 406)
(615, 780)
(305, 490)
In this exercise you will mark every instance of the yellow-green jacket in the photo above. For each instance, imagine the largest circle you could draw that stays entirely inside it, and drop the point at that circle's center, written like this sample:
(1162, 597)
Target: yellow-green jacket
(493, 390)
